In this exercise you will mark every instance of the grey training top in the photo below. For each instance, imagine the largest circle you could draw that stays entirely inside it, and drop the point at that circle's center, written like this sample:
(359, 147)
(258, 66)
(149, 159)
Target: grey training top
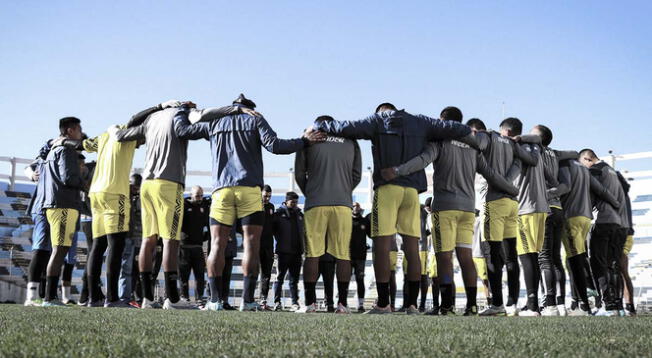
(551, 163)
(532, 197)
(327, 172)
(503, 156)
(455, 165)
(577, 202)
(606, 175)
(166, 153)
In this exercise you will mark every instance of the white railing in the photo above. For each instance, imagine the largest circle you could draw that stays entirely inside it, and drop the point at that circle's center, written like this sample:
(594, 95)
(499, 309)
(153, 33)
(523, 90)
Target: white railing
(365, 187)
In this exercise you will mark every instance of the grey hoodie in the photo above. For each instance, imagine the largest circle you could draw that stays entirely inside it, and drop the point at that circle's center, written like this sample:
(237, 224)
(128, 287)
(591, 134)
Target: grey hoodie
(455, 165)
(327, 172)
(532, 197)
(581, 184)
(166, 153)
(607, 176)
(501, 153)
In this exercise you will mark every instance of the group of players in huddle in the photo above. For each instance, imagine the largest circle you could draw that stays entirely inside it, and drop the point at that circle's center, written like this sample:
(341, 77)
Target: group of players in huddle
(499, 197)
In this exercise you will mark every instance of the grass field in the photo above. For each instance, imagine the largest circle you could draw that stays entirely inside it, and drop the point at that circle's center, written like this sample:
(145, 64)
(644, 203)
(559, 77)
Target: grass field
(84, 332)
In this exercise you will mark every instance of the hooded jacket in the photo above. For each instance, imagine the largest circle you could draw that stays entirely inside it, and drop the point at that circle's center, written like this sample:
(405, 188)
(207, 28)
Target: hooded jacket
(289, 230)
(236, 142)
(62, 179)
(396, 137)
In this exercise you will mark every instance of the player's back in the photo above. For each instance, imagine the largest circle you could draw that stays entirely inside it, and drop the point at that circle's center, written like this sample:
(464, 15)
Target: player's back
(166, 154)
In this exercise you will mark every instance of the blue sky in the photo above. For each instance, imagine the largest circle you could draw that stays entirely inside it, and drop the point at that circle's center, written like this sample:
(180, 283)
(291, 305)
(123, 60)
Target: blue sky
(582, 68)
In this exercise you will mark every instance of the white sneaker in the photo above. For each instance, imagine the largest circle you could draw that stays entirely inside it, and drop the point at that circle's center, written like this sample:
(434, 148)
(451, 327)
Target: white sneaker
(578, 313)
(550, 311)
(528, 313)
(621, 313)
(562, 310)
(311, 308)
(249, 306)
(295, 307)
(512, 311)
(33, 303)
(147, 304)
(379, 310)
(493, 311)
(342, 309)
(179, 305)
(213, 306)
(604, 313)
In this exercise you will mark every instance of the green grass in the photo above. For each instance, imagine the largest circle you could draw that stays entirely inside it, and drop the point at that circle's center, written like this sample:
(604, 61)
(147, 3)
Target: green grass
(84, 332)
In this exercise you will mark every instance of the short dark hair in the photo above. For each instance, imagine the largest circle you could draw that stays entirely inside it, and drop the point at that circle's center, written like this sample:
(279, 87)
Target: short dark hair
(451, 113)
(66, 123)
(477, 124)
(138, 179)
(385, 107)
(290, 195)
(267, 188)
(513, 125)
(546, 134)
(324, 119)
(589, 152)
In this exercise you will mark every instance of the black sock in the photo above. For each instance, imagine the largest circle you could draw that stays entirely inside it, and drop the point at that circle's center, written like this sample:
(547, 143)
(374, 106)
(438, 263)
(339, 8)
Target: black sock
(576, 266)
(392, 288)
(424, 291)
(383, 293)
(249, 287)
(51, 288)
(171, 287)
(530, 274)
(413, 289)
(446, 295)
(343, 293)
(116, 244)
(471, 295)
(495, 265)
(435, 292)
(147, 282)
(215, 284)
(66, 274)
(43, 285)
(37, 264)
(310, 294)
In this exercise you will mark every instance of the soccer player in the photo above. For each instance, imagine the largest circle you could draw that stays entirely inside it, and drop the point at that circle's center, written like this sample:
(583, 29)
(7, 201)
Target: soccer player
(500, 213)
(63, 182)
(577, 204)
(550, 264)
(110, 196)
(453, 206)
(290, 239)
(161, 195)
(327, 173)
(605, 249)
(396, 137)
(266, 247)
(236, 142)
(194, 231)
(359, 232)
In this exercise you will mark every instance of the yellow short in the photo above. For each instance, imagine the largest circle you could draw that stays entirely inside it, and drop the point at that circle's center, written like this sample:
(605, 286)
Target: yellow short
(423, 258)
(481, 268)
(499, 219)
(63, 224)
(531, 229)
(575, 234)
(328, 229)
(235, 202)
(432, 265)
(628, 245)
(452, 228)
(162, 208)
(395, 209)
(110, 213)
(393, 260)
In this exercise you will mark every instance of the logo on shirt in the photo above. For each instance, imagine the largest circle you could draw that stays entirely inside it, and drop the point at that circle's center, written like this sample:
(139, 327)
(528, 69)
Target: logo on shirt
(362, 227)
(460, 144)
(335, 139)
